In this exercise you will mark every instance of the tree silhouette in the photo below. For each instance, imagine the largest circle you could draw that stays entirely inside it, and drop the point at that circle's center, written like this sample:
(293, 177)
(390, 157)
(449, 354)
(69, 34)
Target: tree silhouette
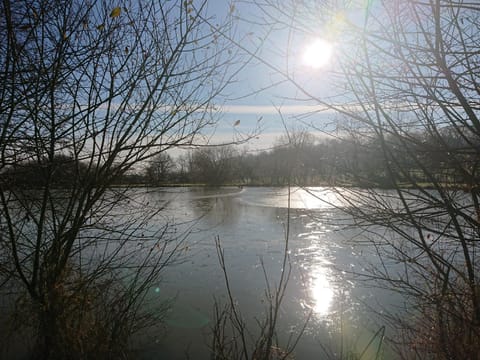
(88, 90)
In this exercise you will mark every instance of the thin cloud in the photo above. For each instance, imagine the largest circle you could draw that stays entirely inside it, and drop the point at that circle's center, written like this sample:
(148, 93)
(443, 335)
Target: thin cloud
(271, 110)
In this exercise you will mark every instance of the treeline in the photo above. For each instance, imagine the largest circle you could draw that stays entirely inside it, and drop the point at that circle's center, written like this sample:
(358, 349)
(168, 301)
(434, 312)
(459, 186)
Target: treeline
(298, 159)
(305, 160)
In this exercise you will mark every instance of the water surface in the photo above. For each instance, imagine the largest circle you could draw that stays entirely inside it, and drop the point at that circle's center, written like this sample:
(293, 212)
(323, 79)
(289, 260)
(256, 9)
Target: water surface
(251, 224)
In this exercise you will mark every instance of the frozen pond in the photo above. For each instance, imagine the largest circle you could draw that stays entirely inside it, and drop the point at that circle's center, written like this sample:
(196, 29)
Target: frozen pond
(251, 224)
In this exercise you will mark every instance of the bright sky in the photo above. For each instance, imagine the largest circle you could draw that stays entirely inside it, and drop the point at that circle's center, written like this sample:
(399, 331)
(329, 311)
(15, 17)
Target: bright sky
(308, 57)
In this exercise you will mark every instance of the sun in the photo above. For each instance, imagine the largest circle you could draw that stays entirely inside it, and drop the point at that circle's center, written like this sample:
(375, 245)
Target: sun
(317, 54)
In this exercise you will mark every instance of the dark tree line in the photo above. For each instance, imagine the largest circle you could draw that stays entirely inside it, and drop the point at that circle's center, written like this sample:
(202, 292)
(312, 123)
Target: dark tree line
(302, 159)
(299, 158)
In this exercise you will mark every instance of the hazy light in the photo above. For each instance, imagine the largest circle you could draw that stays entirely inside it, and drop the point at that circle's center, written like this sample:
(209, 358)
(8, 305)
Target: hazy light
(317, 54)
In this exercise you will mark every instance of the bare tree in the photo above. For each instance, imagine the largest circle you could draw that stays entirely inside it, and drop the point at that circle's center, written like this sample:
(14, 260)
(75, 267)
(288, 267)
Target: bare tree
(293, 157)
(213, 165)
(405, 84)
(103, 87)
(160, 168)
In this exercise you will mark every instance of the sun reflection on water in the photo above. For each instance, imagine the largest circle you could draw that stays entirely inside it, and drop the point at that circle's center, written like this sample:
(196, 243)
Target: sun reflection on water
(315, 198)
(321, 291)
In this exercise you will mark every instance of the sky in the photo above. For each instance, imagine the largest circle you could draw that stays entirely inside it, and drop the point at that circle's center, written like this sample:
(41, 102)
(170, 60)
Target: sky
(246, 107)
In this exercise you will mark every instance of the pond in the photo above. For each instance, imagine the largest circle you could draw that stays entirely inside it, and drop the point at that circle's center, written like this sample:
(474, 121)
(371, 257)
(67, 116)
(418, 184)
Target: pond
(252, 225)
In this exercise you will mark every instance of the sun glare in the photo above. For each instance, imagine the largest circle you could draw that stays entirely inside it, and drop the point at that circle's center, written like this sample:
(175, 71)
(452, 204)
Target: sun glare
(322, 293)
(317, 54)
